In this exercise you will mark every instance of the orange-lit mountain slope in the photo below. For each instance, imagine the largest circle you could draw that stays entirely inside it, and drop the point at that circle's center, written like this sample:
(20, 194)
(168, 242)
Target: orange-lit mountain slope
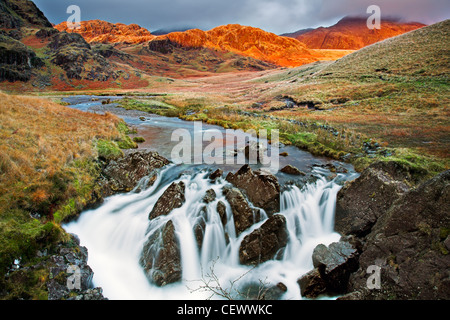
(106, 32)
(352, 33)
(243, 40)
(248, 41)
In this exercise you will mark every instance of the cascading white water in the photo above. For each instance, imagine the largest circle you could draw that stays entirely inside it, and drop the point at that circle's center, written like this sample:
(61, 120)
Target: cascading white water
(115, 234)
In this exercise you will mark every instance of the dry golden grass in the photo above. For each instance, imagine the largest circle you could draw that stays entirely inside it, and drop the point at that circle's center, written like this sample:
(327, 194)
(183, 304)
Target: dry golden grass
(39, 143)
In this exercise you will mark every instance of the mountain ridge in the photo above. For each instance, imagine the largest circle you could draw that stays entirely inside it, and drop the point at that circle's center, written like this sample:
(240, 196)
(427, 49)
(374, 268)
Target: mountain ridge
(351, 33)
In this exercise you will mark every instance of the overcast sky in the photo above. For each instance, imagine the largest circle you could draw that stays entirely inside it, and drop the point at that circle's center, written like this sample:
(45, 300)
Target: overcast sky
(278, 16)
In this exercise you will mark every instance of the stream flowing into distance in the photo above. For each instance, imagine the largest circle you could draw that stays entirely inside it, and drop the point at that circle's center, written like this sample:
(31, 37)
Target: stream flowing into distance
(115, 233)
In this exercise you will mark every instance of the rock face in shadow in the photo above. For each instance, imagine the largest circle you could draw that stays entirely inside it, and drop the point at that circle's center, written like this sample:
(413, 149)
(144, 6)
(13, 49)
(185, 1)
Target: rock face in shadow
(410, 244)
(265, 243)
(161, 257)
(17, 61)
(261, 188)
(361, 202)
(404, 232)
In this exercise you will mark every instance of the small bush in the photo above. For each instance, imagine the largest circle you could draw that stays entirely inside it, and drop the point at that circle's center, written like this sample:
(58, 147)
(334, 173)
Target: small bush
(138, 139)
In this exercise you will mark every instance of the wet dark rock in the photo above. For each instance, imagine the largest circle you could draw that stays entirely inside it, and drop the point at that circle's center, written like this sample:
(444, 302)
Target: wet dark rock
(222, 210)
(289, 169)
(161, 257)
(124, 174)
(335, 263)
(216, 174)
(361, 202)
(244, 215)
(261, 188)
(172, 198)
(199, 228)
(264, 243)
(312, 285)
(210, 196)
(408, 243)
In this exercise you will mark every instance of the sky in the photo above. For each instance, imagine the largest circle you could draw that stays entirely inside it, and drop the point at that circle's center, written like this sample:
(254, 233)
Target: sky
(277, 16)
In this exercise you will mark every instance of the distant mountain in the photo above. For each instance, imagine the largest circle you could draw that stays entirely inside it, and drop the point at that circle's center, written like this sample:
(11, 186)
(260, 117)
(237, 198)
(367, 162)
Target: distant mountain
(164, 31)
(296, 33)
(247, 41)
(106, 32)
(242, 40)
(351, 33)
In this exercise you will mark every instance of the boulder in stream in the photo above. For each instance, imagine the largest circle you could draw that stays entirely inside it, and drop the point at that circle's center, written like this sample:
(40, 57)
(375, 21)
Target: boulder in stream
(161, 256)
(171, 199)
(261, 188)
(124, 174)
(244, 215)
(265, 243)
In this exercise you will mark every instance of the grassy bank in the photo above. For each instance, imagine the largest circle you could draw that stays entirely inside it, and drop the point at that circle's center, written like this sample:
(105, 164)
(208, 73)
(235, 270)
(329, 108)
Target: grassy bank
(49, 164)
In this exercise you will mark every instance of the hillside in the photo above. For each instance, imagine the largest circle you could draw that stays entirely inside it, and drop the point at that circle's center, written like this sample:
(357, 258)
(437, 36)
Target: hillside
(248, 41)
(21, 13)
(242, 40)
(423, 52)
(395, 91)
(351, 33)
(106, 32)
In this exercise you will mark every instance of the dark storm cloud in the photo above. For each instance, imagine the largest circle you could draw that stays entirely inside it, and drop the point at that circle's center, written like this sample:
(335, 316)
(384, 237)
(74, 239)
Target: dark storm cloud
(277, 16)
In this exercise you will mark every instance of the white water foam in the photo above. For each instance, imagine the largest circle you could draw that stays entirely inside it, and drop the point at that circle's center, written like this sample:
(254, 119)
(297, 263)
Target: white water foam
(115, 234)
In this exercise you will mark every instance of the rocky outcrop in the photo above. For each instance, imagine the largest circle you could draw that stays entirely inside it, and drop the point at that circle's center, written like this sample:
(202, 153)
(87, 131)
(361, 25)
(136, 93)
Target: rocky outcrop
(361, 202)
(171, 199)
(333, 265)
(161, 257)
(261, 188)
(17, 61)
(124, 174)
(408, 243)
(105, 32)
(15, 14)
(265, 243)
(76, 57)
(70, 273)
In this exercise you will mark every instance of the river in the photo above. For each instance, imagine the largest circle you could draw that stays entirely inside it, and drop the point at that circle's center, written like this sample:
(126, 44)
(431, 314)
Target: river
(115, 233)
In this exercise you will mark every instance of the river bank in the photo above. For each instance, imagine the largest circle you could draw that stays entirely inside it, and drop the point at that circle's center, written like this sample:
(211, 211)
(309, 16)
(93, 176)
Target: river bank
(318, 188)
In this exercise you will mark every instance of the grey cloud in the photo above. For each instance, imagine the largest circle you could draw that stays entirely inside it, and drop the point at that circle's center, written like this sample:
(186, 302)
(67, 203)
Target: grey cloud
(274, 16)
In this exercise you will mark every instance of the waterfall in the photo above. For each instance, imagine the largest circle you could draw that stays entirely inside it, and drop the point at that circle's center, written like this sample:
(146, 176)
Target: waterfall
(116, 232)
